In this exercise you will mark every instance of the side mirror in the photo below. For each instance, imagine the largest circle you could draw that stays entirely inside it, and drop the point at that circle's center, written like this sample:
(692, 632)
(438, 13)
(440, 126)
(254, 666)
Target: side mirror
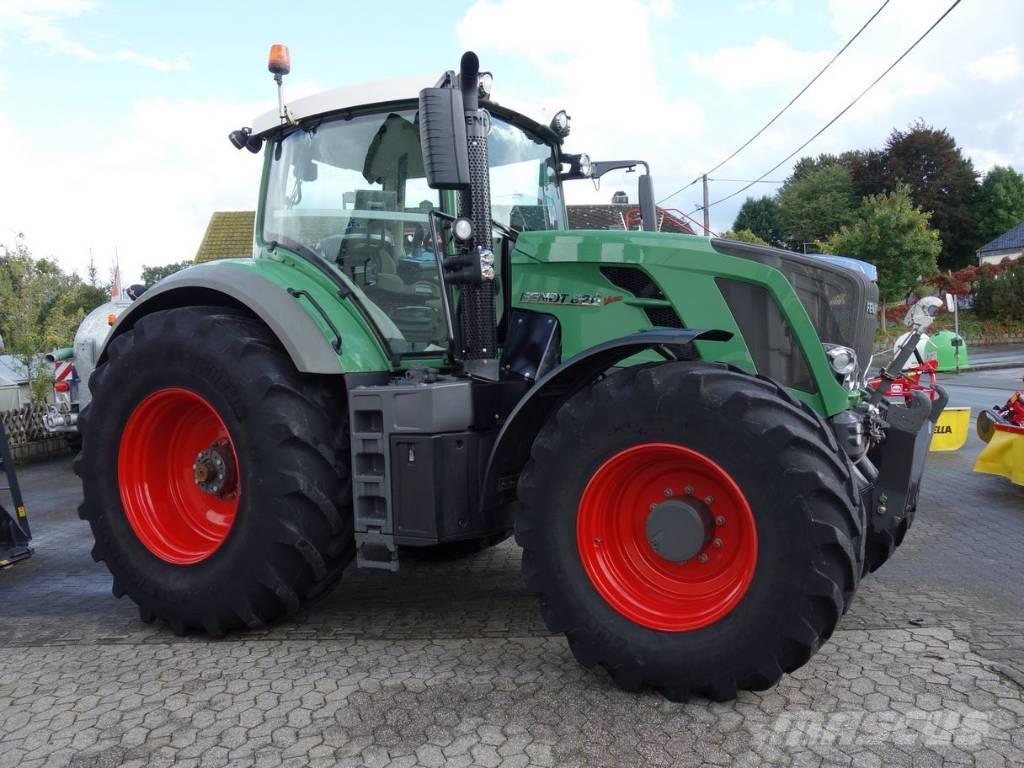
(443, 138)
(648, 209)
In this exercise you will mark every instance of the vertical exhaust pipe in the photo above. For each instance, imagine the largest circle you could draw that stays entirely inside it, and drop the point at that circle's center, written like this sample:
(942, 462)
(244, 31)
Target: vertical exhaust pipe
(478, 320)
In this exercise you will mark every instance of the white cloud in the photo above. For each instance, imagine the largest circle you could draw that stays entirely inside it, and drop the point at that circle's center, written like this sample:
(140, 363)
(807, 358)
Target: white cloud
(40, 21)
(144, 183)
(766, 62)
(998, 66)
(782, 7)
(608, 77)
(178, 64)
(147, 191)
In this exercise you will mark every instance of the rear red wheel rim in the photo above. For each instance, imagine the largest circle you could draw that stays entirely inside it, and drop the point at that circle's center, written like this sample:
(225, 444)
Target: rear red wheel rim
(162, 442)
(622, 564)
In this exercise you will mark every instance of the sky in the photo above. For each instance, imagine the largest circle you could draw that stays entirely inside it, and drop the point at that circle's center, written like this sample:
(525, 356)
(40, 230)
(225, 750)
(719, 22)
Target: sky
(114, 115)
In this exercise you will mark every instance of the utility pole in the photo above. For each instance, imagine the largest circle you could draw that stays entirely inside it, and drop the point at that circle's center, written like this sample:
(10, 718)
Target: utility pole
(707, 222)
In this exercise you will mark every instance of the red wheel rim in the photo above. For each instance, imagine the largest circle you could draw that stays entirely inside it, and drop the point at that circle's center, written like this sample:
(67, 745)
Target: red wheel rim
(161, 446)
(625, 569)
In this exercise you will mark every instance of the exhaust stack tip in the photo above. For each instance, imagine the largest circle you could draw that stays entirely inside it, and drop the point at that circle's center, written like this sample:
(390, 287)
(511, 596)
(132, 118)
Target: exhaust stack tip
(470, 64)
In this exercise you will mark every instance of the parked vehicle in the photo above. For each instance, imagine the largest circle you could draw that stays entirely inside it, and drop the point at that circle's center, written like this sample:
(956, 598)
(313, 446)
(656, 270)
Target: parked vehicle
(676, 428)
(72, 367)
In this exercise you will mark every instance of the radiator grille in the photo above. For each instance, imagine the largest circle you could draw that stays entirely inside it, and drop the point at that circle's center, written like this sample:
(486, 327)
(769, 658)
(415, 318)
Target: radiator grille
(634, 280)
(663, 317)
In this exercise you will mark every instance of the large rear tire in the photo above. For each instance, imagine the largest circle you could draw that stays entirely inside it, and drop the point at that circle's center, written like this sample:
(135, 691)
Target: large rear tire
(215, 476)
(783, 532)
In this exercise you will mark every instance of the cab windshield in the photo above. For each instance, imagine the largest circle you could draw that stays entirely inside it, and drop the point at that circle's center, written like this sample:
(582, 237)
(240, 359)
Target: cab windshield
(353, 193)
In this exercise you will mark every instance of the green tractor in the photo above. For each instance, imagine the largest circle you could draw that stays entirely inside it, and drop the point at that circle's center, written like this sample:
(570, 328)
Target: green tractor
(420, 354)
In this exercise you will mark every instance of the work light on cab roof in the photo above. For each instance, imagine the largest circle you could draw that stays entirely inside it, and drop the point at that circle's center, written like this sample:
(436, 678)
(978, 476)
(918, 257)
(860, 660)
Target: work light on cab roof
(279, 62)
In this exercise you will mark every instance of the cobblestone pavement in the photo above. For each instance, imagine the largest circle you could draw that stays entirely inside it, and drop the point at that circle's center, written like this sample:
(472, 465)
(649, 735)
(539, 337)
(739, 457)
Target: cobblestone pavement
(448, 663)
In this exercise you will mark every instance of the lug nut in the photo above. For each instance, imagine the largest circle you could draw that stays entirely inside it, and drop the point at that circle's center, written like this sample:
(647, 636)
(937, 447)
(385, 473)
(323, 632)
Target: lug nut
(689, 490)
(709, 500)
(717, 543)
(597, 540)
(668, 492)
(720, 520)
(703, 557)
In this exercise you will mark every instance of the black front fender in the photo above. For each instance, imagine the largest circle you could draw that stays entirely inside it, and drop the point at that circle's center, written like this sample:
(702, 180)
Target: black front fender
(512, 446)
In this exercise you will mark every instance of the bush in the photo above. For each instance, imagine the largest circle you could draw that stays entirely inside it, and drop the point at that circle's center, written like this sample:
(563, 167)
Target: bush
(1000, 291)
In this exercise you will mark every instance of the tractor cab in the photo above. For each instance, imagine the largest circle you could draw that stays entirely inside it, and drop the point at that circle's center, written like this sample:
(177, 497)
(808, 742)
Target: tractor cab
(349, 190)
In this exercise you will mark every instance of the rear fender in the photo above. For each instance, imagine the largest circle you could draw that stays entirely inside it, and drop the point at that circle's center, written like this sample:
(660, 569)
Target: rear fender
(512, 446)
(281, 310)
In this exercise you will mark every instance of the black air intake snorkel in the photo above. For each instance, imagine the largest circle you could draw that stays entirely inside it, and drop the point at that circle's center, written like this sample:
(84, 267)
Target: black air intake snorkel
(478, 321)
(453, 137)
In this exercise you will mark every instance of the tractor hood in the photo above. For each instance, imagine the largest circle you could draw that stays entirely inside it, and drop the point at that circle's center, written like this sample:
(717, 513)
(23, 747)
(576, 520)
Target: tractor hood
(841, 304)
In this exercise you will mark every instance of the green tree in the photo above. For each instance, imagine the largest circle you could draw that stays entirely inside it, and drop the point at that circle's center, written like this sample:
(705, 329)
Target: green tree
(807, 165)
(41, 307)
(744, 236)
(1000, 204)
(894, 235)
(942, 181)
(153, 275)
(816, 204)
(762, 217)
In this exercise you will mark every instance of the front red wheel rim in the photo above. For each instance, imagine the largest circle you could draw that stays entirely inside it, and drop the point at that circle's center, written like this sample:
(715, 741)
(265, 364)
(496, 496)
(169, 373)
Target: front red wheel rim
(180, 511)
(624, 567)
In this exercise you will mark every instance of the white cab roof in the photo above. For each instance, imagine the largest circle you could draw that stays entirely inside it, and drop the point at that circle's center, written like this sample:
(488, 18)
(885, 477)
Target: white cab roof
(371, 94)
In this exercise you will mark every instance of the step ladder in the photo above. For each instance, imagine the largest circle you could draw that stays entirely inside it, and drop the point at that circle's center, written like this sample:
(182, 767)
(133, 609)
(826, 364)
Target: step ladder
(15, 534)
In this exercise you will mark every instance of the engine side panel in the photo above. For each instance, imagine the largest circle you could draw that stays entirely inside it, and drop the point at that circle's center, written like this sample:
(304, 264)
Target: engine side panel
(567, 275)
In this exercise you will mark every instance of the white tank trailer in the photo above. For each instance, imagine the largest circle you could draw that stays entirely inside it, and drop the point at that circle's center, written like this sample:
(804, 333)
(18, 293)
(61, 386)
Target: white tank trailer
(62, 415)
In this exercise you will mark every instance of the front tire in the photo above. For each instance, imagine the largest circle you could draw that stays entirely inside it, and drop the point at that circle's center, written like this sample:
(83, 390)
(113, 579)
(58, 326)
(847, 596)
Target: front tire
(763, 474)
(215, 475)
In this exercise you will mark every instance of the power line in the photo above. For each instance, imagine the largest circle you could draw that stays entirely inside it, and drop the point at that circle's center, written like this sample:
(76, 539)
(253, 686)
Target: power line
(792, 101)
(684, 187)
(844, 110)
(804, 89)
(752, 181)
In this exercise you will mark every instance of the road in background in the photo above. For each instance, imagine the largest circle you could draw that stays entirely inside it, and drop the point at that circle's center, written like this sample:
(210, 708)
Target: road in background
(996, 354)
(980, 357)
(981, 389)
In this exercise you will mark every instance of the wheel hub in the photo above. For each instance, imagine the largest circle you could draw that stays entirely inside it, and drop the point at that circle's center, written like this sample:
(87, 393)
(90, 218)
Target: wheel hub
(179, 476)
(214, 471)
(680, 530)
(666, 537)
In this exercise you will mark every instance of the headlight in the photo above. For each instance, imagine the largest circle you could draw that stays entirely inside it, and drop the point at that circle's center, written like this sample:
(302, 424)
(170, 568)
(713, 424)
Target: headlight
(842, 359)
(560, 123)
(485, 83)
(487, 264)
(586, 167)
(462, 228)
